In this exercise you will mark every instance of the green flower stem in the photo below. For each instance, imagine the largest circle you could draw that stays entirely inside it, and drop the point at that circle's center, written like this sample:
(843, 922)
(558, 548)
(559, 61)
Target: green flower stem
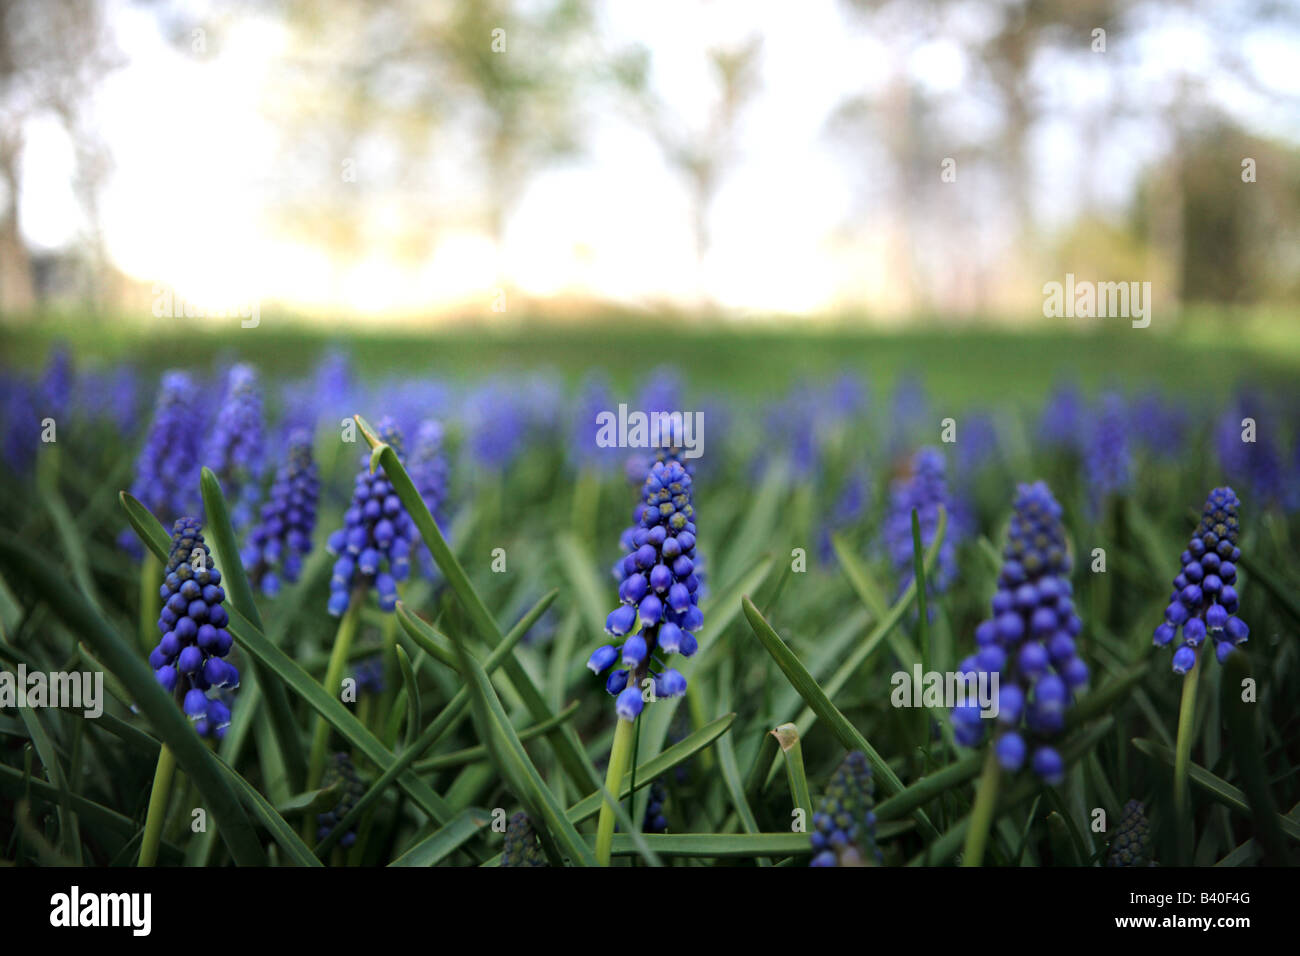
(150, 602)
(158, 800)
(333, 677)
(1183, 748)
(981, 816)
(620, 754)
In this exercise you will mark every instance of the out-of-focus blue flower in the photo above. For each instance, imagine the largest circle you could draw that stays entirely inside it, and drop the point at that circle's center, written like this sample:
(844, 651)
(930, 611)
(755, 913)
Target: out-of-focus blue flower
(280, 540)
(1204, 600)
(659, 591)
(1132, 843)
(844, 825)
(925, 489)
(1257, 464)
(236, 448)
(496, 425)
(1062, 424)
(374, 544)
(1160, 426)
(977, 444)
(369, 675)
(190, 659)
(427, 467)
(1028, 642)
(112, 397)
(654, 820)
(340, 768)
(22, 424)
(848, 510)
(167, 470)
(910, 419)
(56, 385)
(1109, 459)
(594, 397)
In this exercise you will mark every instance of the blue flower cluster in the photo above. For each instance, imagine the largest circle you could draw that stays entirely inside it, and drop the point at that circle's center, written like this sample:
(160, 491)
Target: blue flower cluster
(427, 467)
(374, 544)
(1132, 843)
(167, 471)
(1029, 642)
(277, 544)
(1061, 423)
(925, 489)
(659, 590)
(1109, 458)
(369, 675)
(1204, 599)
(654, 820)
(340, 769)
(844, 824)
(236, 449)
(189, 660)
(522, 847)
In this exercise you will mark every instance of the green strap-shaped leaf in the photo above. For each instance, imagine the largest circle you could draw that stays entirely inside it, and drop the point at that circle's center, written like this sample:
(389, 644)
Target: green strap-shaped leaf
(444, 841)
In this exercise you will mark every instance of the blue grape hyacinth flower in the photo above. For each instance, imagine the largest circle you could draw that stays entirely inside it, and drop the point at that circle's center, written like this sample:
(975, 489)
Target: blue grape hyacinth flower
(1132, 843)
(1109, 455)
(925, 488)
(280, 540)
(428, 469)
(844, 824)
(659, 591)
(340, 769)
(374, 544)
(1204, 600)
(1028, 643)
(522, 848)
(190, 660)
(167, 469)
(236, 448)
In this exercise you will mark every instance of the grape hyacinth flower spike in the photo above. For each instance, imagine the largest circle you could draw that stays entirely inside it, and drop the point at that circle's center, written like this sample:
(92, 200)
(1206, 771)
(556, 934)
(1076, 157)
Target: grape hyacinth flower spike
(659, 592)
(1204, 600)
(658, 617)
(844, 825)
(374, 544)
(236, 448)
(1028, 643)
(341, 769)
(167, 469)
(277, 544)
(190, 660)
(1132, 843)
(522, 847)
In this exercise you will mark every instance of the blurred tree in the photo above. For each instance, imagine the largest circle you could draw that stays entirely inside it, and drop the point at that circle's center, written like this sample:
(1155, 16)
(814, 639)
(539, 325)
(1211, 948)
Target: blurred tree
(53, 56)
(1238, 238)
(700, 156)
(484, 90)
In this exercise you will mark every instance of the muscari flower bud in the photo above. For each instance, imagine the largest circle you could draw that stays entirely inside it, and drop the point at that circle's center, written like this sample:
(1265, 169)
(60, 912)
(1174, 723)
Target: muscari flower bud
(340, 768)
(659, 587)
(1132, 843)
(1211, 606)
(188, 659)
(1028, 642)
(844, 825)
(373, 548)
(280, 540)
(522, 847)
(654, 820)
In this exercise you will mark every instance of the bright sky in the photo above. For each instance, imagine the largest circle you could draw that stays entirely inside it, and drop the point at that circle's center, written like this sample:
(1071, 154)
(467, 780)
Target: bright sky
(196, 160)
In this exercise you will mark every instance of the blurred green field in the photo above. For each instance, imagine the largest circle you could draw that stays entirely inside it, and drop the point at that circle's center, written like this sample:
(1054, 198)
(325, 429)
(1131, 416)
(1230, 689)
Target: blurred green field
(1208, 355)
